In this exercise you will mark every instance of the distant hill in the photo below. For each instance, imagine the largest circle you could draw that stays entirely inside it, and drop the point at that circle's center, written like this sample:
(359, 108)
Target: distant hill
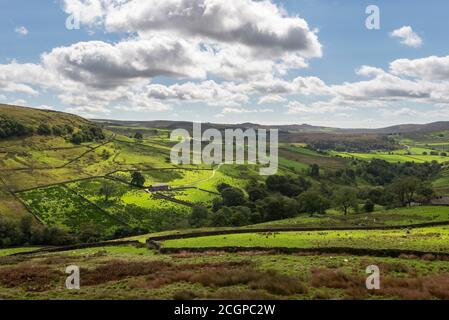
(407, 128)
(294, 128)
(32, 117)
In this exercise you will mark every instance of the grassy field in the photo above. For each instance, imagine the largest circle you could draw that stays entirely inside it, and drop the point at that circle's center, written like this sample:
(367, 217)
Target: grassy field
(307, 157)
(58, 206)
(10, 251)
(432, 239)
(392, 217)
(393, 157)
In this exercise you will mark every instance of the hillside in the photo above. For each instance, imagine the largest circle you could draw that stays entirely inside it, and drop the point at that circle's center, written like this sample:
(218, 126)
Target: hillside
(34, 117)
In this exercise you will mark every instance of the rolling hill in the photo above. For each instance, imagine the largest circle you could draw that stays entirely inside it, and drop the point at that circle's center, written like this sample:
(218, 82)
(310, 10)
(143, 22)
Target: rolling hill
(34, 117)
(296, 128)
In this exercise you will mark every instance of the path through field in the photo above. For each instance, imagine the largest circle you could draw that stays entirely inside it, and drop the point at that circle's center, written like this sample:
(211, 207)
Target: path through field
(206, 179)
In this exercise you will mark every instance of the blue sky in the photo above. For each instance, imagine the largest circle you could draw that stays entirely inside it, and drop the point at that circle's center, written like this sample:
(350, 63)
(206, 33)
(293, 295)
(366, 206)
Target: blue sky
(91, 71)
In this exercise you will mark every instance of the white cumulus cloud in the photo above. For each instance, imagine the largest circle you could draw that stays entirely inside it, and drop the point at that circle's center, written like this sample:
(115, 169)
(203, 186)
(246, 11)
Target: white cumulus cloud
(407, 36)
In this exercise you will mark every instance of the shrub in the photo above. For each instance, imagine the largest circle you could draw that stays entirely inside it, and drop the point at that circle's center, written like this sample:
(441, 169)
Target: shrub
(43, 130)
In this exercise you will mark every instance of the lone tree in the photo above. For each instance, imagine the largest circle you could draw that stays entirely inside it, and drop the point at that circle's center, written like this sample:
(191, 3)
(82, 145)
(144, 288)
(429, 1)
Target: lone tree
(107, 190)
(346, 198)
(137, 179)
(138, 136)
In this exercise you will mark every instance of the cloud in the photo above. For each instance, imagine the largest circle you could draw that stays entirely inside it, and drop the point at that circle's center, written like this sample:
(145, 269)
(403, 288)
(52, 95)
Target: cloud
(382, 87)
(227, 111)
(316, 108)
(235, 111)
(235, 40)
(407, 36)
(21, 30)
(103, 65)
(271, 99)
(430, 68)
(209, 92)
(17, 77)
(401, 112)
(255, 24)
(46, 107)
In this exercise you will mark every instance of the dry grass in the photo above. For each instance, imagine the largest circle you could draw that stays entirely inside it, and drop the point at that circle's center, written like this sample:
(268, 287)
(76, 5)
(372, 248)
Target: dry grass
(416, 288)
(118, 270)
(222, 275)
(33, 278)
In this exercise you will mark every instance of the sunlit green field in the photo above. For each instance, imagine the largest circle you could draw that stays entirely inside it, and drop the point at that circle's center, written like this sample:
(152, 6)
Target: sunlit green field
(392, 217)
(10, 251)
(418, 158)
(58, 206)
(432, 239)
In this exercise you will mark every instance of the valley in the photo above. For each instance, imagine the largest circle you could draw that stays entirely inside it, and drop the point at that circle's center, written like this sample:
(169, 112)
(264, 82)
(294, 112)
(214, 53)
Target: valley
(340, 201)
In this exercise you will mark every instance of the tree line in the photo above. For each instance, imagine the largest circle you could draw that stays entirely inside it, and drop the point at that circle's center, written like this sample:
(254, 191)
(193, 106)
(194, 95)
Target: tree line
(87, 133)
(287, 196)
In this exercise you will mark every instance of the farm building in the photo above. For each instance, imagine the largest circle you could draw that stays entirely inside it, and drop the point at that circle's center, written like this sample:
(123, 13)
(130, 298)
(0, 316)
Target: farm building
(159, 187)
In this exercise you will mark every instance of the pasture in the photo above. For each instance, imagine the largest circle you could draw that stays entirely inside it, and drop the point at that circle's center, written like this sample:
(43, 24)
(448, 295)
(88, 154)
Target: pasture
(431, 239)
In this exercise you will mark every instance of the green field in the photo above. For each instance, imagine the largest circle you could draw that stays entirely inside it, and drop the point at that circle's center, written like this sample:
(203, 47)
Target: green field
(392, 157)
(58, 206)
(432, 239)
(392, 217)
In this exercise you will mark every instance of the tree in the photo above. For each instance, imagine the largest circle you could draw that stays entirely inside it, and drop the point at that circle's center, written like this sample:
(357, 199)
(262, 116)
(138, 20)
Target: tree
(287, 186)
(221, 218)
(199, 216)
(68, 129)
(276, 207)
(57, 130)
(25, 227)
(107, 189)
(138, 136)
(346, 198)
(313, 202)
(256, 192)
(222, 186)
(368, 206)
(10, 128)
(77, 138)
(240, 216)
(425, 192)
(233, 197)
(314, 171)
(405, 189)
(137, 179)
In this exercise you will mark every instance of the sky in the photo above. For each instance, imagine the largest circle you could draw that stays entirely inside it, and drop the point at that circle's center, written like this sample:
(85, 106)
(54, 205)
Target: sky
(229, 61)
